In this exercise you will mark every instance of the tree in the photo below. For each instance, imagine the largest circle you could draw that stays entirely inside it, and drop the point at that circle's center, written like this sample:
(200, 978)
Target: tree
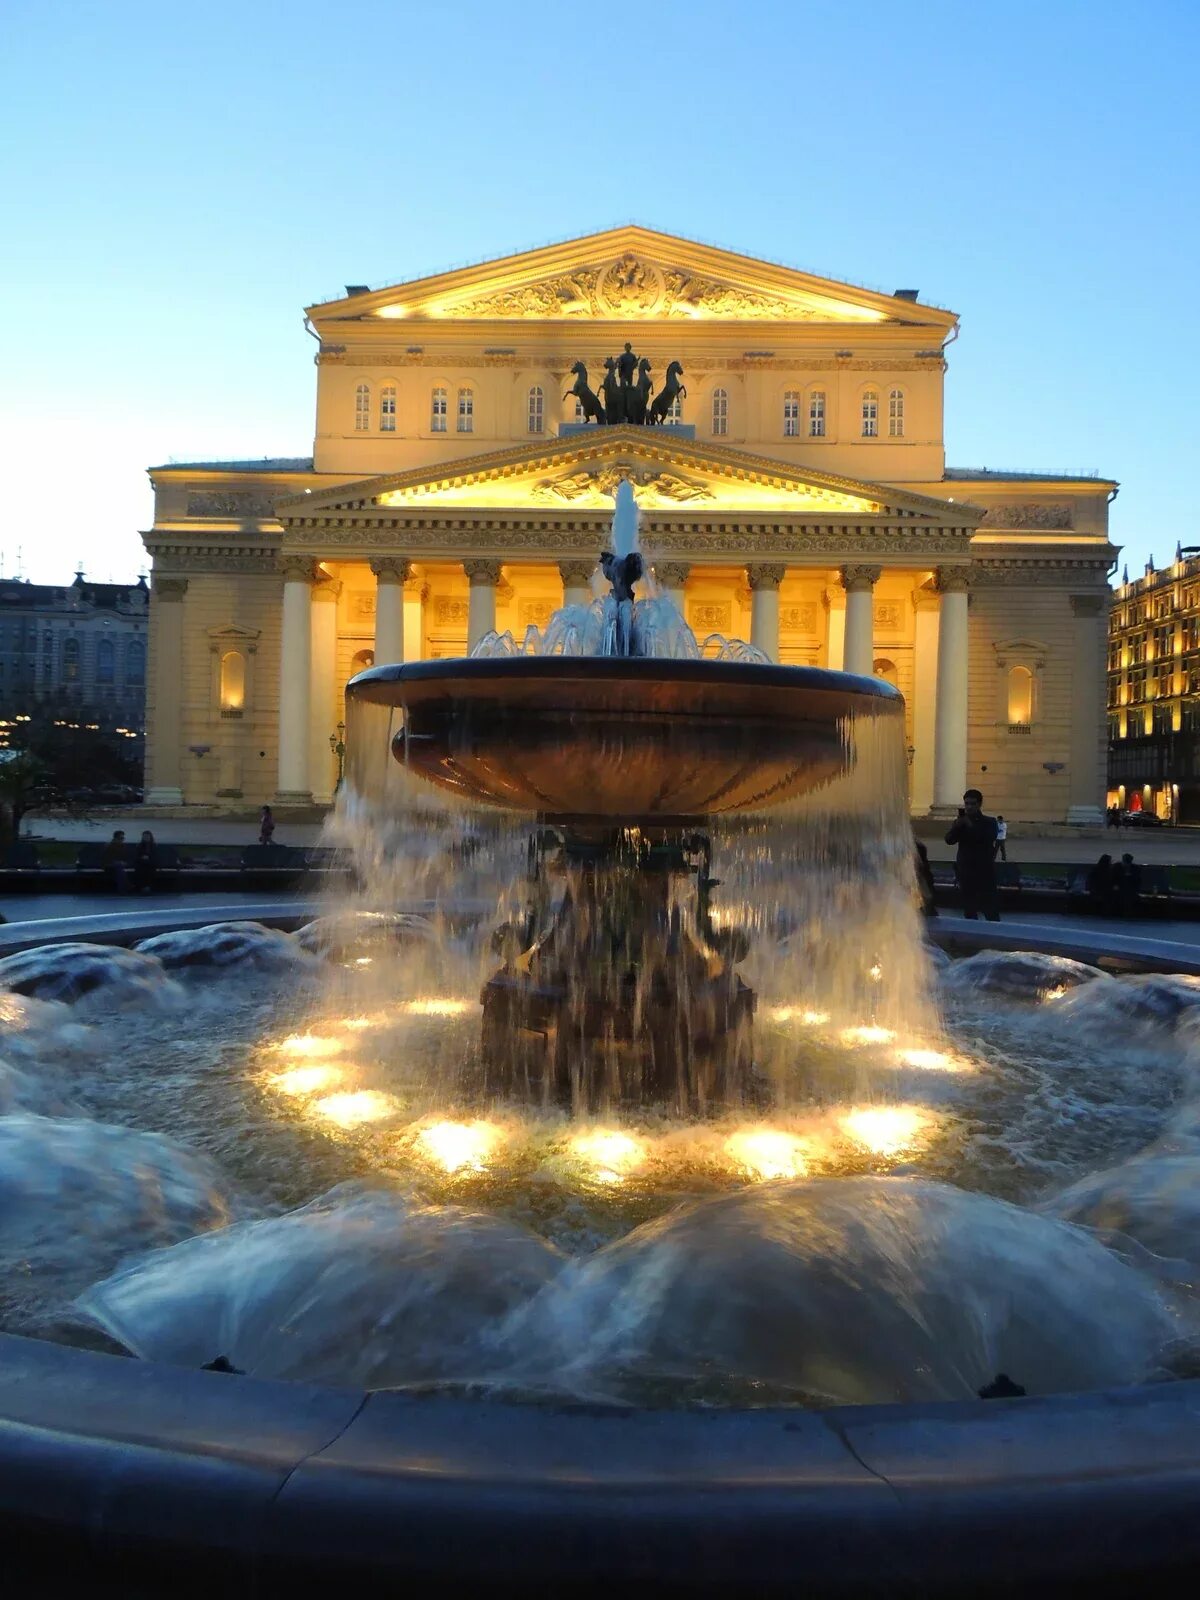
(22, 786)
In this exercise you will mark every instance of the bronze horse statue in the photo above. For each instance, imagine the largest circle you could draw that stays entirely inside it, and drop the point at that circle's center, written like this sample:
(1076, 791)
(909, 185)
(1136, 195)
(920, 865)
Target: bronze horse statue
(671, 390)
(614, 395)
(638, 397)
(587, 399)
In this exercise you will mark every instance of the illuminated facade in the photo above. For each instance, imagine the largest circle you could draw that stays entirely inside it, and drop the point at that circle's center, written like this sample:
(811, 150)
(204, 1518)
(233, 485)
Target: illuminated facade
(1154, 692)
(798, 497)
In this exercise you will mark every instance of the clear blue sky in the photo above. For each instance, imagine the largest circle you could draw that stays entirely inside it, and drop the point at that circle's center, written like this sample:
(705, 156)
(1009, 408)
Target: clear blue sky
(179, 180)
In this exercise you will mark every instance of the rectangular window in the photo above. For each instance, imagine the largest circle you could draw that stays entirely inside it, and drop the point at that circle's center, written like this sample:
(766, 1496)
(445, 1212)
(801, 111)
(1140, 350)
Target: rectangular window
(816, 414)
(536, 410)
(791, 415)
(362, 409)
(387, 410)
(720, 413)
(466, 411)
(870, 415)
(437, 419)
(1191, 633)
(1164, 641)
(896, 414)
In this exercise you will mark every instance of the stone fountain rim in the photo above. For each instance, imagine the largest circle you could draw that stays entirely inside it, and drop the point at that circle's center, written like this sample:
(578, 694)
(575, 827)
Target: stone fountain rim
(114, 1466)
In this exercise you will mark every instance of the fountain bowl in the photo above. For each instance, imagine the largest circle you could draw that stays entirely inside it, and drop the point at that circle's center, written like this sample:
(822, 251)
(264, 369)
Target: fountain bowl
(628, 740)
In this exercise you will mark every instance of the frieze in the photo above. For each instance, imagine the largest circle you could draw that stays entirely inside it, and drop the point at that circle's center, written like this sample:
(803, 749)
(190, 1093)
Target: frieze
(398, 356)
(450, 613)
(241, 504)
(1051, 515)
(798, 619)
(710, 617)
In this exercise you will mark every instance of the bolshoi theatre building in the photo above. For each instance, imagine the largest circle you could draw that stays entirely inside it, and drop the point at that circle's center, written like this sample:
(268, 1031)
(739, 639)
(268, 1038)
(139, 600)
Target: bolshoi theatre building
(794, 493)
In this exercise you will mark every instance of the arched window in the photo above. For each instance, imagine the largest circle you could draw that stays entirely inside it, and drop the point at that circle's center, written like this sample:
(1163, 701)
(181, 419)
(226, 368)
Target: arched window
(791, 414)
(870, 414)
(896, 414)
(579, 416)
(1020, 695)
(720, 413)
(362, 660)
(466, 411)
(537, 409)
(387, 409)
(362, 408)
(437, 412)
(106, 656)
(233, 681)
(886, 670)
(135, 662)
(71, 660)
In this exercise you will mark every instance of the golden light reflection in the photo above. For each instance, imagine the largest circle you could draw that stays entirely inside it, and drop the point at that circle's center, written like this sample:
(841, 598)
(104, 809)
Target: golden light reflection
(437, 1006)
(810, 1019)
(460, 1146)
(306, 1080)
(867, 1035)
(1055, 994)
(767, 1153)
(876, 972)
(358, 1106)
(931, 1060)
(610, 1154)
(309, 1044)
(885, 1130)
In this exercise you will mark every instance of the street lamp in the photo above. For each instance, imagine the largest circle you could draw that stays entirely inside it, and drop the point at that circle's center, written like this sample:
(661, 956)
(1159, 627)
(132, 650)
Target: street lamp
(337, 743)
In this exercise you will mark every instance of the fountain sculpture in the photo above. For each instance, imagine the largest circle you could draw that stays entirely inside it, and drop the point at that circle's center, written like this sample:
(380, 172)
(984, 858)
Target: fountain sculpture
(615, 983)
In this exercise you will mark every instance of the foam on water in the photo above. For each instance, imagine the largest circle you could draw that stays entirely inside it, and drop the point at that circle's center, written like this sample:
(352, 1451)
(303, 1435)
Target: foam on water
(100, 976)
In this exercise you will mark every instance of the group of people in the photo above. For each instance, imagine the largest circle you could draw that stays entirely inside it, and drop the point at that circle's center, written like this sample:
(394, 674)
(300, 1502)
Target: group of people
(118, 868)
(1114, 887)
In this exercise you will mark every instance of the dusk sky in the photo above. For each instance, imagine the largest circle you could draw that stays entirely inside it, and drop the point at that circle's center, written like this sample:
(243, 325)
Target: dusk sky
(179, 181)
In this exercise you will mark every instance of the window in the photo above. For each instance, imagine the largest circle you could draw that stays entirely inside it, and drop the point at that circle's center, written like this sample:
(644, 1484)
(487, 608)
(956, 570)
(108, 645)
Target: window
(1020, 695)
(720, 413)
(233, 682)
(579, 416)
(466, 411)
(1137, 685)
(1191, 633)
(791, 414)
(1164, 641)
(896, 414)
(387, 409)
(816, 414)
(437, 417)
(1164, 720)
(71, 660)
(870, 414)
(362, 408)
(887, 671)
(135, 662)
(105, 661)
(1137, 649)
(362, 660)
(537, 409)
(1164, 676)
(674, 412)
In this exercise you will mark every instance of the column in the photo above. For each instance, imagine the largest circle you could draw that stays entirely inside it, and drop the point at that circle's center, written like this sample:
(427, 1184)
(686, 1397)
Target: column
(164, 681)
(672, 577)
(391, 574)
(577, 582)
(764, 579)
(859, 654)
(953, 661)
(1087, 772)
(834, 600)
(924, 709)
(295, 667)
(416, 592)
(322, 690)
(483, 576)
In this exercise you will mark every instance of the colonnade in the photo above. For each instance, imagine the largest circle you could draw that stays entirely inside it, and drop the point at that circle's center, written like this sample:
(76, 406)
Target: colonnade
(307, 689)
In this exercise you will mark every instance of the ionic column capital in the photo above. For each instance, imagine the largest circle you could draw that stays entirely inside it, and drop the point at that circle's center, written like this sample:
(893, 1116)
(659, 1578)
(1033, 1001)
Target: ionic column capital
(1089, 605)
(575, 573)
(483, 574)
(672, 574)
(297, 569)
(391, 569)
(765, 575)
(953, 580)
(170, 588)
(859, 579)
(926, 598)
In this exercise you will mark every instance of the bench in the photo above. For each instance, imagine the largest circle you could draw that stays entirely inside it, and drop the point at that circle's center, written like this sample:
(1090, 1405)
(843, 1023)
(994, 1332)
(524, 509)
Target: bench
(22, 856)
(292, 860)
(90, 861)
(1008, 875)
(1155, 882)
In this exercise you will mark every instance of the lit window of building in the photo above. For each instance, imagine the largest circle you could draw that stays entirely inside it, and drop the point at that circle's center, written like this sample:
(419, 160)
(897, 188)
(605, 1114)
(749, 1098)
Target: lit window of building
(720, 413)
(816, 414)
(437, 414)
(466, 411)
(896, 414)
(387, 409)
(870, 414)
(362, 408)
(791, 414)
(537, 409)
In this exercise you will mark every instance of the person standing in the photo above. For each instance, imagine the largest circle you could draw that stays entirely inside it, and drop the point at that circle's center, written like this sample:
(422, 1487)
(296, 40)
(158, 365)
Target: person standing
(145, 863)
(266, 826)
(1001, 838)
(1127, 886)
(974, 833)
(113, 861)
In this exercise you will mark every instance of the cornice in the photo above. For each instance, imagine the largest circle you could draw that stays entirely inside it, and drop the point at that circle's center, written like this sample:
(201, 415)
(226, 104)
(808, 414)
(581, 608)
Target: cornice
(554, 361)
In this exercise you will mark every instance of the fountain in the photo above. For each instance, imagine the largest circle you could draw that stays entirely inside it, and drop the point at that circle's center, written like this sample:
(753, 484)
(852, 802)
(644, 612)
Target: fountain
(614, 1188)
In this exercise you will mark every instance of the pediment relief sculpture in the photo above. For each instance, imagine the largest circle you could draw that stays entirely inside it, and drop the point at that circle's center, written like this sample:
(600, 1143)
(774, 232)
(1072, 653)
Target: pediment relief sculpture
(1050, 515)
(632, 286)
(595, 485)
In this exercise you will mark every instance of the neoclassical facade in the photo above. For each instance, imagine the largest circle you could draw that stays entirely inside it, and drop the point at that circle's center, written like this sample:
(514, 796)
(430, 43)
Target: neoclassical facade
(797, 495)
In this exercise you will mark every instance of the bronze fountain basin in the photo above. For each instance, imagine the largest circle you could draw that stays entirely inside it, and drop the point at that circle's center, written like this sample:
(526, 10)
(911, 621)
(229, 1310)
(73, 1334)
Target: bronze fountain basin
(613, 739)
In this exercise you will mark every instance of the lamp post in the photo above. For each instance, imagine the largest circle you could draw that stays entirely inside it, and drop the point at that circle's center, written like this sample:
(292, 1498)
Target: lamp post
(337, 743)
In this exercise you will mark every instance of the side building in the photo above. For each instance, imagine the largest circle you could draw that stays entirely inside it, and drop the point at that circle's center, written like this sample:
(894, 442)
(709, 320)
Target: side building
(797, 494)
(1154, 691)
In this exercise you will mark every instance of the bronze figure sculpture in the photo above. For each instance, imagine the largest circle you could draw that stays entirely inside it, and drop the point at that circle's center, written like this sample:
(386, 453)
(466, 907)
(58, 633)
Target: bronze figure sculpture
(592, 409)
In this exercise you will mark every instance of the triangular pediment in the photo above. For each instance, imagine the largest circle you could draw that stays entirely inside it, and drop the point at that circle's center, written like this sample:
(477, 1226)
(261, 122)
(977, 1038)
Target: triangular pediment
(630, 274)
(581, 471)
